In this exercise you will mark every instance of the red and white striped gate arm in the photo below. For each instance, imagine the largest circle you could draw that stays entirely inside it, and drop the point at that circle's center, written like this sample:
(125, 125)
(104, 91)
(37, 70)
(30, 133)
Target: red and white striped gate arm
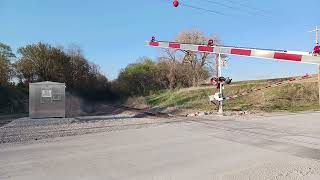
(296, 56)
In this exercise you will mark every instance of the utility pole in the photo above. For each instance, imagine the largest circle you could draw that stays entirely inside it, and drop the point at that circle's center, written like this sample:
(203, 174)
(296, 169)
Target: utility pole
(317, 44)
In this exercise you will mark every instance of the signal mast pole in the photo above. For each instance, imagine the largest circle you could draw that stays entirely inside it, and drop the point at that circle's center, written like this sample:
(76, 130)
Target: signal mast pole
(317, 34)
(317, 43)
(221, 85)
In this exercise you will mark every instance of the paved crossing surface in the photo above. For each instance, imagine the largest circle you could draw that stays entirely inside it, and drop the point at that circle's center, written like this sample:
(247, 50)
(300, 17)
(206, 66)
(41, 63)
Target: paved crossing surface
(275, 147)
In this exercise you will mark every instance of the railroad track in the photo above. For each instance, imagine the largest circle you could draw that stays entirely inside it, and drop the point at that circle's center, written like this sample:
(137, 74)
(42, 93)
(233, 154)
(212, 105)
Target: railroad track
(144, 111)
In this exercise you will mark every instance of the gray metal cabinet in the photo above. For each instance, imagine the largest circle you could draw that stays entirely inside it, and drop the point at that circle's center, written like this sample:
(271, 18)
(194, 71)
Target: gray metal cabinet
(46, 99)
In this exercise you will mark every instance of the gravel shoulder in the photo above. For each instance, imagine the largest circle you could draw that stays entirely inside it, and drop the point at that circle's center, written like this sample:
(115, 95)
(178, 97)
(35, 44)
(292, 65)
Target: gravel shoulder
(25, 130)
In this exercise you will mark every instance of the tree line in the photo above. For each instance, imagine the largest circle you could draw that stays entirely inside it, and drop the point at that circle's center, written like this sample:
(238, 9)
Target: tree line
(172, 69)
(148, 76)
(44, 62)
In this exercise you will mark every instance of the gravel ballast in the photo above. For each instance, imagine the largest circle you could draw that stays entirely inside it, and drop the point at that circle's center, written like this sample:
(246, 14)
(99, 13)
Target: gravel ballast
(26, 129)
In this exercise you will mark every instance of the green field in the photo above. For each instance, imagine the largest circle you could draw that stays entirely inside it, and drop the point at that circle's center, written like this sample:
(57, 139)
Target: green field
(296, 96)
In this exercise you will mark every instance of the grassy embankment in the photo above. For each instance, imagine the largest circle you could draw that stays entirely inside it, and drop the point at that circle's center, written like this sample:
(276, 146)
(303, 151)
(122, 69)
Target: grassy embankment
(300, 95)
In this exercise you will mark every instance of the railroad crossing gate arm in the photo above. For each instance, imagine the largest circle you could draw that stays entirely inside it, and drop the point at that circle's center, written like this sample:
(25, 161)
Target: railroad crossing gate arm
(295, 56)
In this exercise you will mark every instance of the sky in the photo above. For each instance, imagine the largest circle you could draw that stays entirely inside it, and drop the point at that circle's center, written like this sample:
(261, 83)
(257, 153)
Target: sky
(112, 33)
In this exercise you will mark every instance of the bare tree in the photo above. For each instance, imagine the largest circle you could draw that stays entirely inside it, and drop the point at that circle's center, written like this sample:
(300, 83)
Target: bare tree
(201, 63)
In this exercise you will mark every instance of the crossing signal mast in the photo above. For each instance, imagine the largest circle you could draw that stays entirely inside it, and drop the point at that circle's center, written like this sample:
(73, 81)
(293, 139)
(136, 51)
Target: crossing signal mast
(219, 50)
(316, 52)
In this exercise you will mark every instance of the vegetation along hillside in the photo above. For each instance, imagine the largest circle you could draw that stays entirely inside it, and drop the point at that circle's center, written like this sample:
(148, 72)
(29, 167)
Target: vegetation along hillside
(295, 96)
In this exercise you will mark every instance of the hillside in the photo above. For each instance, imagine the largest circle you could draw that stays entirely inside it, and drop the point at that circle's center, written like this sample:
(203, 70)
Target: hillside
(301, 95)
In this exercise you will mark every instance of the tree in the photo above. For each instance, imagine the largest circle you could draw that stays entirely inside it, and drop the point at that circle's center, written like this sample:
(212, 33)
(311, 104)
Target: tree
(137, 78)
(147, 76)
(85, 78)
(6, 69)
(200, 63)
(173, 74)
(11, 99)
(79, 69)
(6, 52)
(42, 62)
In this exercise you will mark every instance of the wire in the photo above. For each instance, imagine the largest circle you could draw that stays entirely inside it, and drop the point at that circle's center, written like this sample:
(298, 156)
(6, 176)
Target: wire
(266, 19)
(203, 9)
(236, 8)
(246, 6)
(220, 4)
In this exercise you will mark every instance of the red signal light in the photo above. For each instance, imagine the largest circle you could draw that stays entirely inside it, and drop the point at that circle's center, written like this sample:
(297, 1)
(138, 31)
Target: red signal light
(175, 3)
(316, 49)
(210, 42)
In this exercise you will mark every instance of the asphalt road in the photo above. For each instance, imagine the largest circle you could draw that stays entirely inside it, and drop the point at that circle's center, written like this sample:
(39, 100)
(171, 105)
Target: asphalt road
(276, 147)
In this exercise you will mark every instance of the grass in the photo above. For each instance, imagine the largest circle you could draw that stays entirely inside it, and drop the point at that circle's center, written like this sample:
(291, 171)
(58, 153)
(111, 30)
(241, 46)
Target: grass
(292, 97)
